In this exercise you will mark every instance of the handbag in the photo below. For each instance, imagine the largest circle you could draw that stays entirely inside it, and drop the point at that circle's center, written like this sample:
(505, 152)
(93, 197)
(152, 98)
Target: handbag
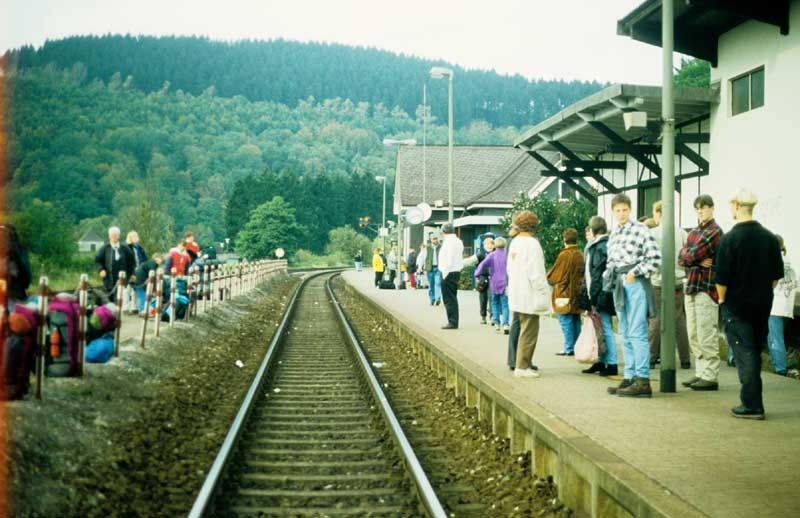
(562, 304)
(483, 283)
(586, 345)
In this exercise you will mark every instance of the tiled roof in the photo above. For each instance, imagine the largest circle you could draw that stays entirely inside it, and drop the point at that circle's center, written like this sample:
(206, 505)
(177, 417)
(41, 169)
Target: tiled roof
(91, 237)
(481, 174)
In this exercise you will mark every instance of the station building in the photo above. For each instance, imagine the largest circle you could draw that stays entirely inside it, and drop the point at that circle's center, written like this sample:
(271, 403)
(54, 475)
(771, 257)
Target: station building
(486, 181)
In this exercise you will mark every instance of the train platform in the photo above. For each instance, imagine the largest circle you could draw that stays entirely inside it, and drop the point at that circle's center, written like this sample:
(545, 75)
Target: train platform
(679, 454)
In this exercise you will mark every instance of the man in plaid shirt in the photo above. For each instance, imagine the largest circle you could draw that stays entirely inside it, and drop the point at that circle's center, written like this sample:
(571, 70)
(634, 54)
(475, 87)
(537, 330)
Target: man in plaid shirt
(633, 255)
(701, 300)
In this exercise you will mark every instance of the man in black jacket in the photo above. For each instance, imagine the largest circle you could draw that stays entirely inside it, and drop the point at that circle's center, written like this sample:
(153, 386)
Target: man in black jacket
(748, 266)
(112, 258)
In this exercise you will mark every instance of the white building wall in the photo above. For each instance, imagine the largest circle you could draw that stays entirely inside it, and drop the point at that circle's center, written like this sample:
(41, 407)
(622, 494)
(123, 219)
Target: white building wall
(760, 149)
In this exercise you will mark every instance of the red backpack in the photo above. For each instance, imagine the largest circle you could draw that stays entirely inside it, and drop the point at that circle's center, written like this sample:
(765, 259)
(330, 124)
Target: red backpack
(19, 355)
(61, 347)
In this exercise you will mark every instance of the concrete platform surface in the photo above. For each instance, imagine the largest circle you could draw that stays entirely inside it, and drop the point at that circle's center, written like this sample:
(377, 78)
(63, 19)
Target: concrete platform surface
(686, 441)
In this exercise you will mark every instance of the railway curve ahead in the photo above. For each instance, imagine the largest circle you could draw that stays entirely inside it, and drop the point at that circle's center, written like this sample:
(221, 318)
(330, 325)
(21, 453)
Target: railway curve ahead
(315, 435)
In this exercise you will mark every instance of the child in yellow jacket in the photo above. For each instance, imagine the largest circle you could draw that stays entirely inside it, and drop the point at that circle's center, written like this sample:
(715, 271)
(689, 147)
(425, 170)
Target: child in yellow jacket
(377, 265)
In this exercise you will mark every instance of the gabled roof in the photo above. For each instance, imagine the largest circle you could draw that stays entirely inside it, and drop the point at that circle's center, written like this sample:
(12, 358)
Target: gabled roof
(91, 237)
(481, 174)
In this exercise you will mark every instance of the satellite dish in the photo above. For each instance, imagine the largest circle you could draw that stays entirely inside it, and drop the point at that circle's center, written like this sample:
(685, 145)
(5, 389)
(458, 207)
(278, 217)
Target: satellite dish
(279, 253)
(414, 216)
(426, 211)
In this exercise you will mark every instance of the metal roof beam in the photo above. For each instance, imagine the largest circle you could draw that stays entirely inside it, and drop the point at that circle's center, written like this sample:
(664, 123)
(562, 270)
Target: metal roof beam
(693, 138)
(589, 169)
(640, 156)
(692, 155)
(552, 170)
(596, 164)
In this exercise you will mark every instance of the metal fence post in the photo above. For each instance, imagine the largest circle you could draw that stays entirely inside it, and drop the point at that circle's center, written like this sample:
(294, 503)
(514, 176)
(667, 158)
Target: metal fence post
(173, 274)
(151, 279)
(83, 299)
(118, 329)
(41, 335)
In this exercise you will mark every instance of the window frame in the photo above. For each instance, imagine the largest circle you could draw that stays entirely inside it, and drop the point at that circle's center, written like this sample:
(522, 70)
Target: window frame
(749, 75)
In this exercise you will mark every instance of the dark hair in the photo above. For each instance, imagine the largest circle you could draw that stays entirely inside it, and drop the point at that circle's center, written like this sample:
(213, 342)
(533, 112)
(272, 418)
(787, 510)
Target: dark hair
(704, 200)
(526, 220)
(598, 225)
(188, 233)
(619, 199)
(570, 236)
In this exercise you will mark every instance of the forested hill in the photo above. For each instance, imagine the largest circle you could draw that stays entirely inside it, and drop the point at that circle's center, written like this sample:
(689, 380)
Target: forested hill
(287, 72)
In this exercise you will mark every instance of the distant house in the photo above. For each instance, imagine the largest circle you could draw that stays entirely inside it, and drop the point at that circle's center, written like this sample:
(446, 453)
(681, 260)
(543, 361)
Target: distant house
(90, 242)
(486, 181)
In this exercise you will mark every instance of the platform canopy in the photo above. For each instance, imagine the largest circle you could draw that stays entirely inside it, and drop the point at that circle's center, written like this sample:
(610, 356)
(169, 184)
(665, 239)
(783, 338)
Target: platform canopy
(594, 126)
(700, 23)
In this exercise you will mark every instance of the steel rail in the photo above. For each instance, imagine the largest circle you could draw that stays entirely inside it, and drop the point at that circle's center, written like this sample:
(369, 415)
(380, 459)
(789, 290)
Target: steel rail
(214, 476)
(423, 486)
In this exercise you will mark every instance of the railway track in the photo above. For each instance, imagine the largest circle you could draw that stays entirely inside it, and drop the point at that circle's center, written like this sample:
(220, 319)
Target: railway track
(315, 435)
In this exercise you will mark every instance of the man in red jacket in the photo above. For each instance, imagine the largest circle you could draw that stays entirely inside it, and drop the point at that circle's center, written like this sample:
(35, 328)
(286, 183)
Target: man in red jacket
(178, 258)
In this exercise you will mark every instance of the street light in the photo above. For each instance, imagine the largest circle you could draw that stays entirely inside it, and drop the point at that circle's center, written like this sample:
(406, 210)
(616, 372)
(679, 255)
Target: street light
(383, 214)
(400, 237)
(440, 73)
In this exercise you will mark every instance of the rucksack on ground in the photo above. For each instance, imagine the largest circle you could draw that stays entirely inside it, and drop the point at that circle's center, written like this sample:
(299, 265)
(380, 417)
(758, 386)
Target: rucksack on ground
(101, 349)
(61, 346)
(18, 354)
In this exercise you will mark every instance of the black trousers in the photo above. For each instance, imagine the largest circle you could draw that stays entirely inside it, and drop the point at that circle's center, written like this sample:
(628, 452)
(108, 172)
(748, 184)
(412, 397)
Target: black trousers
(378, 277)
(746, 340)
(513, 338)
(450, 297)
(483, 299)
(392, 273)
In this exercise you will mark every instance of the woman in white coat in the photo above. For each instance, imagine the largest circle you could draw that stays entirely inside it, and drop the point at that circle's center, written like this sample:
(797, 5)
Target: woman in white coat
(528, 291)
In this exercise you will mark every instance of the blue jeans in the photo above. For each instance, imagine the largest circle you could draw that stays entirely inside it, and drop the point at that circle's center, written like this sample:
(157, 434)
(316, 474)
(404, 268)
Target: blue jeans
(434, 285)
(610, 356)
(141, 294)
(571, 327)
(633, 331)
(500, 304)
(777, 347)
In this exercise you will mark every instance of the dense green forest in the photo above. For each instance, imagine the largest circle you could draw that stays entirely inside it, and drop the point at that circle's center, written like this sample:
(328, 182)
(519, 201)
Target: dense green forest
(289, 72)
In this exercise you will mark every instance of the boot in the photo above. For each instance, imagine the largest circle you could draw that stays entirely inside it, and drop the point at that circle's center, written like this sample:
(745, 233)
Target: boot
(625, 383)
(597, 367)
(610, 370)
(639, 388)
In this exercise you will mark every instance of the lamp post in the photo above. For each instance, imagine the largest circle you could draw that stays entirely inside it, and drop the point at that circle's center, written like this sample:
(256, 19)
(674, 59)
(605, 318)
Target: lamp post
(400, 237)
(439, 73)
(383, 213)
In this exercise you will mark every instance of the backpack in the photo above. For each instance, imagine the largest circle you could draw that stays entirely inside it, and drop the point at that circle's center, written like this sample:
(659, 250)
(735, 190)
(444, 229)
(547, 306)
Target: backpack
(19, 356)
(181, 303)
(61, 355)
(100, 350)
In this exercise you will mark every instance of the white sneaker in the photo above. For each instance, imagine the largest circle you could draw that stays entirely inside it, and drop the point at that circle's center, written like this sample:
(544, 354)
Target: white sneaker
(525, 373)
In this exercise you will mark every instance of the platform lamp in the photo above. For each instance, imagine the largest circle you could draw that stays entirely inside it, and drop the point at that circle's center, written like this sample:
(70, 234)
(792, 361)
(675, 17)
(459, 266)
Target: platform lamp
(383, 213)
(440, 73)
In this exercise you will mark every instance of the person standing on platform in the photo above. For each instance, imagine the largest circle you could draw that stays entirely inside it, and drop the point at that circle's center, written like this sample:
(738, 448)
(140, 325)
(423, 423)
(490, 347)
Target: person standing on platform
(412, 268)
(748, 267)
(392, 263)
(495, 264)
(482, 281)
(565, 276)
(113, 258)
(782, 309)
(377, 266)
(358, 260)
(633, 255)
(600, 302)
(654, 326)
(451, 261)
(701, 300)
(433, 273)
(422, 256)
(527, 284)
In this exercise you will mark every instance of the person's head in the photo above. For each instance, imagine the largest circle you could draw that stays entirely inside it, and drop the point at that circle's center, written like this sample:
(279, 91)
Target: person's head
(781, 243)
(650, 222)
(621, 208)
(377, 251)
(182, 244)
(132, 238)
(488, 244)
(657, 214)
(570, 236)
(434, 240)
(513, 231)
(742, 204)
(113, 235)
(158, 257)
(422, 247)
(448, 228)
(597, 226)
(526, 221)
(704, 207)
(188, 236)
(500, 243)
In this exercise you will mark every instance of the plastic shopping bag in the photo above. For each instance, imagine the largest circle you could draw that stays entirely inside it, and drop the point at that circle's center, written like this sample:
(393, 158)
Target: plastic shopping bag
(586, 345)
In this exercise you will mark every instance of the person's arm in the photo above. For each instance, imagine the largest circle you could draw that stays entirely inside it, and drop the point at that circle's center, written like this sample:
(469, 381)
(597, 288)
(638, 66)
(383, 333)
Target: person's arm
(556, 273)
(444, 259)
(481, 267)
(168, 265)
(651, 258)
(100, 261)
(697, 250)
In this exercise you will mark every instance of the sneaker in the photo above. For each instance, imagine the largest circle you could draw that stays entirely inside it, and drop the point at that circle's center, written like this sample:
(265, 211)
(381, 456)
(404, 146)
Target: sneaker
(610, 370)
(449, 326)
(438, 302)
(597, 367)
(639, 388)
(625, 383)
(525, 373)
(565, 353)
(690, 381)
(505, 329)
(483, 320)
(702, 384)
(745, 413)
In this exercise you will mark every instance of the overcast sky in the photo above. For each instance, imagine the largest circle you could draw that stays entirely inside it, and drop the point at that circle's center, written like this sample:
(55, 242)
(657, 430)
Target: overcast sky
(569, 39)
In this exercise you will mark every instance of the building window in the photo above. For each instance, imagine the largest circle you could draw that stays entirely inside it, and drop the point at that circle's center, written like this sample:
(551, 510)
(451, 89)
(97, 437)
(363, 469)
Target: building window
(647, 197)
(747, 92)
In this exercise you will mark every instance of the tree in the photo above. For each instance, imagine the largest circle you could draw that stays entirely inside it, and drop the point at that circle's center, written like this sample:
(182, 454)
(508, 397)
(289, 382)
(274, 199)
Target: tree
(272, 225)
(47, 231)
(693, 72)
(345, 242)
(554, 217)
(154, 226)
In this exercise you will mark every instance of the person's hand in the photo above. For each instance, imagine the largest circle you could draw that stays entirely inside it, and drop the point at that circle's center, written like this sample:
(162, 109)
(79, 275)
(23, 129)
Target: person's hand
(103, 274)
(133, 278)
(630, 277)
(707, 263)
